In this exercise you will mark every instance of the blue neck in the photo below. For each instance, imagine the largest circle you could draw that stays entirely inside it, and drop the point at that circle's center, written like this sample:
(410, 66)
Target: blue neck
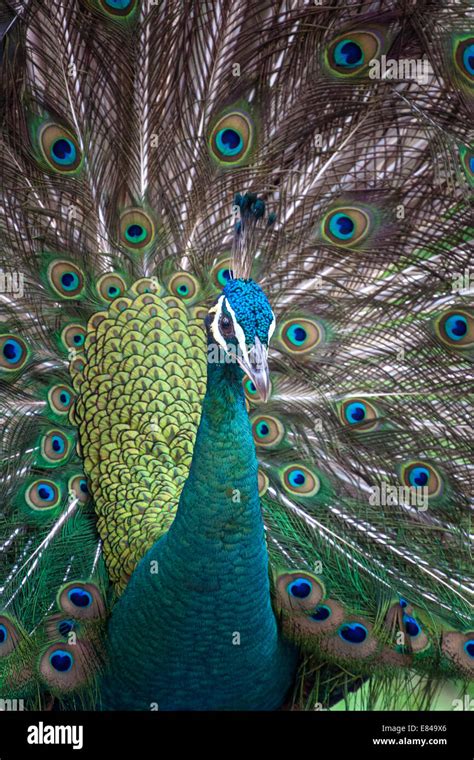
(202, 631)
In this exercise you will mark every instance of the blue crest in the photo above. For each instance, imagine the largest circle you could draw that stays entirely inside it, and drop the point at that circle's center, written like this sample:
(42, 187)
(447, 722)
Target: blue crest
(251, 308)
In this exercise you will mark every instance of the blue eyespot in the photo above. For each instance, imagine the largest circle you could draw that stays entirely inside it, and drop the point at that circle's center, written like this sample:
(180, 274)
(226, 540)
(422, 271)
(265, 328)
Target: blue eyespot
(113, 291)
(419, 477)
(411, 626)
(43, 494)
(80, 597)
(321, 613)
(297, 334)
(456, 326)
(469, 648)
(12, 351)
(262, 429)
(79, 339)
(300, 588)
(83, 486)
(135, 233)
(341, 226)
(57, 444)
(118, 5)
(348, 54)
(353, 633)
(65, 398)
(355, 412)
(64, 151)
(69, 281)
(61, 661)
(65, 627)
(224, 275)
(468, 59)
(229, 142)
(250, 387)
(46, 492)
(296, 478)
(183, 289)
(3, 634)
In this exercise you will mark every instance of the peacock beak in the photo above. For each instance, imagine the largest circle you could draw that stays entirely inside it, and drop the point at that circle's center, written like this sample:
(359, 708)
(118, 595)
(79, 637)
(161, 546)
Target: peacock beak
(256, 367)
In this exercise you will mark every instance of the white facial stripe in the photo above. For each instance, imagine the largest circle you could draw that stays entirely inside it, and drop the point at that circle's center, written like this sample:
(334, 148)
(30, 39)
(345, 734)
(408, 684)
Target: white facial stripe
(216, 334)
(239, 333)
(271, 329)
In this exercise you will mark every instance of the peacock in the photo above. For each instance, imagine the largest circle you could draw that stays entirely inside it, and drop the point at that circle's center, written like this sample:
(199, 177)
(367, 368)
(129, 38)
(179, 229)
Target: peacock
(236, 350)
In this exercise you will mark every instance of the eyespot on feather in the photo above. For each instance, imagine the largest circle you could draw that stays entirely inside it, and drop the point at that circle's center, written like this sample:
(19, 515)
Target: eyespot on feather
(184, 285)
(353, 640)
(322, 619)
(299, 335)
(464, 57)
(222, 272)
(358, 414)
(118, 9)
(81, 600)
(455, 328)
(263, 482)
(147, 285)
(65, 667)
(346, 226)
(231, 139)
(73, 336)
(78, 488)
(9, 636)
(66, 279)
(59, 148)
(299, 590)
(267, 431)
(55, 446)
(13, 353)
(459, 649)
(43, 494)
(350, 53)
(60, 399)
(300, 481)
(137, 230)
(251, 392)
(110, 286)
(418, 474)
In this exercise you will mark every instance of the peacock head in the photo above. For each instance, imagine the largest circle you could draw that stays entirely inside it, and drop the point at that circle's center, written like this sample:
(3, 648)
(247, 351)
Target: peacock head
(241, 324)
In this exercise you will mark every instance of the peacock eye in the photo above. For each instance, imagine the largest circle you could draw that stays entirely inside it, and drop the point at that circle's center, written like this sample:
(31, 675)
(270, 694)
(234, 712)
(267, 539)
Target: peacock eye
(60, 148)
(13, 352)
(118, 7)
(61, 660)
(353, 633)
(464, 57)
(322, 612)
(351, 53)
(137, 229)
(411, 626)
(417, 474)
(232, 138)
(226, 326)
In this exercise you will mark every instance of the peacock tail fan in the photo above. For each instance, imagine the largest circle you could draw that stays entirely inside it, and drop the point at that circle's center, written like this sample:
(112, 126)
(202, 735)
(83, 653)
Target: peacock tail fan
(152, 152)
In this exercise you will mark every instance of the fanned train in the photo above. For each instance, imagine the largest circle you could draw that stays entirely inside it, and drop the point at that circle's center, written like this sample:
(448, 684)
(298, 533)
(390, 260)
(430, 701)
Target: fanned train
(236, 347)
